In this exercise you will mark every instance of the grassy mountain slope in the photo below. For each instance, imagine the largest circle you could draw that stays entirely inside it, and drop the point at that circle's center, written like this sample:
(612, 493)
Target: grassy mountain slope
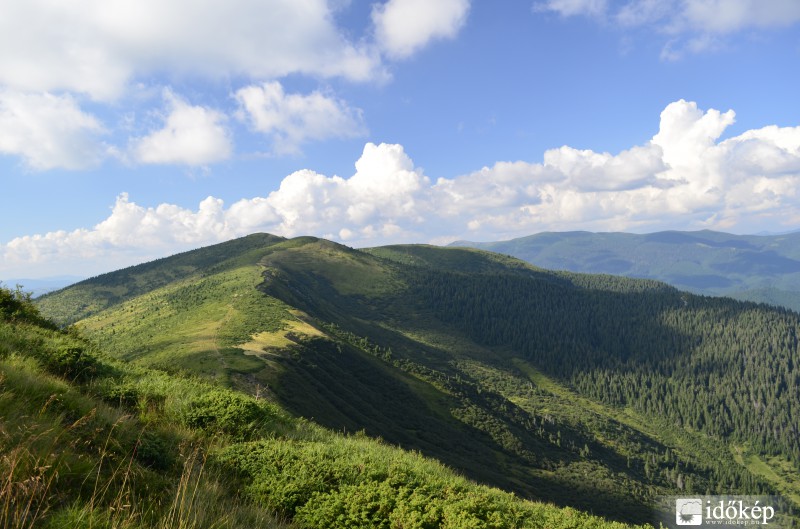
(95, 294)
(88, 441)
(749, 267)
(592, 391)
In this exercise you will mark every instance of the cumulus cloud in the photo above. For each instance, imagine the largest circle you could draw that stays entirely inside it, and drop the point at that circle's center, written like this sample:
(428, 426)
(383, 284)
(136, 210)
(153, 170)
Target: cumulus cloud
(690, 26)
(383, 200)
(192, 135)
(110, 41)
(131, 234)
(684, 177)
(404, 26)
(97, 52)
(49, 131)
(293, 119)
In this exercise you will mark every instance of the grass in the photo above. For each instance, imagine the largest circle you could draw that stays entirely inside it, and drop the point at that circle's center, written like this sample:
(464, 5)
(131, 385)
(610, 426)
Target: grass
(109, 290)
(777, 470)
(627, 417)
(192, 325)
(349, 272)
(264, 341)
(72, 460)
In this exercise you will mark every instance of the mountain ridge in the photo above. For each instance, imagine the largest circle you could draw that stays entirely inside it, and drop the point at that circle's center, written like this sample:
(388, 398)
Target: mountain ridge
(761, 268)
(520, 377)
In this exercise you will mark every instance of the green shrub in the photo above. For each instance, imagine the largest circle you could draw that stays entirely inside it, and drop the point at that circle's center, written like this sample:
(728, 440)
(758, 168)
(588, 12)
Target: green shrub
(366, 505)
(284, 475)
(124, 394)
(156, 452)
(417, 510)
(346, 482)
(72, 362)
(17, 306)
(231, 413)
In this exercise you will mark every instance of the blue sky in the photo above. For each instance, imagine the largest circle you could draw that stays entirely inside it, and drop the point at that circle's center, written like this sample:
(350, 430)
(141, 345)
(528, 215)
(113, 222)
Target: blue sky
(134, 130)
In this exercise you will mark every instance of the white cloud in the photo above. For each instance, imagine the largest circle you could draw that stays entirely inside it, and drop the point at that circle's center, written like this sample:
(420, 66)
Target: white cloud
(591, 171)
(192, 135)
(725, 16)
(49, 131)
(690, 26)
(101, 50)
(131, 234)
(706, 16)
(640, 12)
(293, 119)
(95, 47)
(402, 27)
(569, 8)
(383, 200)
(683, 178)
(385, 192)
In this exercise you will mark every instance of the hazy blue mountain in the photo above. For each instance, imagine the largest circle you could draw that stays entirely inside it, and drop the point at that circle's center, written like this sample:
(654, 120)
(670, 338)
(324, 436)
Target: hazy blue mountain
(762, 268)
(42, 285)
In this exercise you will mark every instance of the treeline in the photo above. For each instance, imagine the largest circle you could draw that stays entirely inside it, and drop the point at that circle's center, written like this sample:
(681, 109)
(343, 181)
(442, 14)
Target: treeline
(723, 367)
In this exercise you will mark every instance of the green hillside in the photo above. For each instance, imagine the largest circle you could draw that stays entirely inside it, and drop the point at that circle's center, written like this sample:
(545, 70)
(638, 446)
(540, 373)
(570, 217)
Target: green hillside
(595, 392)
(761, 268)
(89, 441)
(107, 290)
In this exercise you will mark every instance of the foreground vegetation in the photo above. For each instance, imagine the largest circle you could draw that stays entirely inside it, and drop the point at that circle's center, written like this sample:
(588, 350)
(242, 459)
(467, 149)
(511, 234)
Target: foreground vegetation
(90, 441)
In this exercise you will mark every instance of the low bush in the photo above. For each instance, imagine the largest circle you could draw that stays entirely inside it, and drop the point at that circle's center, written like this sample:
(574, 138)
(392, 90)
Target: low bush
(234, 414)
(17, 306)
(356, 483)
(72, 362)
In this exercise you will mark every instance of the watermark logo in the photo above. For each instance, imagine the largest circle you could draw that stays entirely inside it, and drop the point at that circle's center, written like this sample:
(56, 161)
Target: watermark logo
(689, 511)
(712, 511)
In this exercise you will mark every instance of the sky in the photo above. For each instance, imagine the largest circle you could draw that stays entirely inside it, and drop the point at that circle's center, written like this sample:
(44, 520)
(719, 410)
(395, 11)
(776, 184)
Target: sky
(133, 130)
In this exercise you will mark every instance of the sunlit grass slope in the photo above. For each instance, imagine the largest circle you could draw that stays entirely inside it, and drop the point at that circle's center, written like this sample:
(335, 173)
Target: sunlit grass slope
(93, 295)
(192, 324)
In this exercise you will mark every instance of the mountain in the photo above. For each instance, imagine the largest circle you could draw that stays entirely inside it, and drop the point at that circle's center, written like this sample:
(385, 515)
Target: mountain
(88, 442)
(760, 268)
(43, 285)
(591, 391)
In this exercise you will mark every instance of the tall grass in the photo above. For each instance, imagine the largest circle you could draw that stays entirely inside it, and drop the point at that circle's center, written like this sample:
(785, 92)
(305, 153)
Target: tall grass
(28, 479)
(119, 495)
(71, 461)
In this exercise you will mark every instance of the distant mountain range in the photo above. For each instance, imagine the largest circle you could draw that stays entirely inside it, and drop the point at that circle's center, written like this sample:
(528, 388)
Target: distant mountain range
(43, 285)
(761, 268)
